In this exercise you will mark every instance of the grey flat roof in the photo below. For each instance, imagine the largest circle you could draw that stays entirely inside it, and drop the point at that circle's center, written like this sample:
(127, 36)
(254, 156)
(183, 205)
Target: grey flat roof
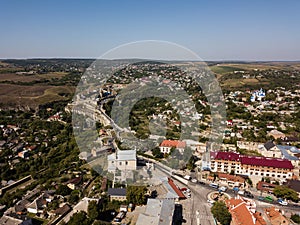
(158, 211)
(116, 191)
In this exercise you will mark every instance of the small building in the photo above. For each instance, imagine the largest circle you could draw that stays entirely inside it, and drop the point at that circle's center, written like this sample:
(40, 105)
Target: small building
(265, 186)
(269, 149)
(85, 156)
(294, 184)
(276, 134)
(73, 183)
(166, 146)
(232, 180)
(64, 210)
(118, 194)
(275, 216)
(37, 206)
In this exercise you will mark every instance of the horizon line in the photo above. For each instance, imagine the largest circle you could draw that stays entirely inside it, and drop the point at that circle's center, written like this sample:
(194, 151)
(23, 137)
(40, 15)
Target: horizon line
(211, 60)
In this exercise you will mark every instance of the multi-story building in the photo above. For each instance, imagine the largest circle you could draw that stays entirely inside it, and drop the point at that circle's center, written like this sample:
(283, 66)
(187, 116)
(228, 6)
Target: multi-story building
(122, 160)
(252, 166)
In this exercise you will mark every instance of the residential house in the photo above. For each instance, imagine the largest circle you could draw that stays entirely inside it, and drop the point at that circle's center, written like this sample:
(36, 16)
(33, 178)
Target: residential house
(248, 145)
(96, 152)
(118, 194)
(37, 206)
(275, 216)
(244, 212)
(269, 149)
(61, 211)
(294, 184)
(73, 183)
(265, 187)
(85, 156)
(166, 146)
(20, 207)
(276, 134)
(231, 180)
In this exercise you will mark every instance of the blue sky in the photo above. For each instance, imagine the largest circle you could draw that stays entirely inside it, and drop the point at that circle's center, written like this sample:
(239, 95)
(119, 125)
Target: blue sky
(215, 30)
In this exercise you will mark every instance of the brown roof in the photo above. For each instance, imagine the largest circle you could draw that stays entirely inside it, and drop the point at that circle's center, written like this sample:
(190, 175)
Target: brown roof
(264, 186)
(75, 181)
(240, 213)
(63, 210)
(228, 177)
(293, 184)
(173, 143)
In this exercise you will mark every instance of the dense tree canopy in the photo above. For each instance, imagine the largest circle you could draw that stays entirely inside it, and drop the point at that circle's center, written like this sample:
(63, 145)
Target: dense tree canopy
(136, 194)
(221, 213)
(286, 193)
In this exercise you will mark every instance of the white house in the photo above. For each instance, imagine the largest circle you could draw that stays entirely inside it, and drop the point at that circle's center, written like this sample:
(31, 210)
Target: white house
(122, 160)
(166, 145)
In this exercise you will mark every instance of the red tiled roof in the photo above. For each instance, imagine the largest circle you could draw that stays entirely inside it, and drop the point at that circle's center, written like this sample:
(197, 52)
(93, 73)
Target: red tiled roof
(269, 162)
(173, 143)
(228, 156)
(255, 160)
(241, 214)
(178, 192)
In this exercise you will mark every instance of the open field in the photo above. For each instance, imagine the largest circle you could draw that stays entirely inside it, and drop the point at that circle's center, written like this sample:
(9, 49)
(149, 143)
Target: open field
(29, 78)
(12, 95)
(32, 90)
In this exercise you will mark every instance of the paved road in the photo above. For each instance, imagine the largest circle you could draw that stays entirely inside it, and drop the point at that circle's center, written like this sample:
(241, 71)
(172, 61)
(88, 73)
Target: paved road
(197, 210)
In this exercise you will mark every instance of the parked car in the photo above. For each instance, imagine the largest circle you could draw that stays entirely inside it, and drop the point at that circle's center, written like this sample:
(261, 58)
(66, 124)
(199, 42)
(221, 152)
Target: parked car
(194, 180)
(261, 198)
(282, 202)
(213, 185)
(241, 192)
(269, 199)
(119, 217)
(223, 189)
(210, 201)
(248, 194)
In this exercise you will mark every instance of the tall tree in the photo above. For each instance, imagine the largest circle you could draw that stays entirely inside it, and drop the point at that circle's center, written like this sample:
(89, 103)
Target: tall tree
(93, 210)
(221, 213)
